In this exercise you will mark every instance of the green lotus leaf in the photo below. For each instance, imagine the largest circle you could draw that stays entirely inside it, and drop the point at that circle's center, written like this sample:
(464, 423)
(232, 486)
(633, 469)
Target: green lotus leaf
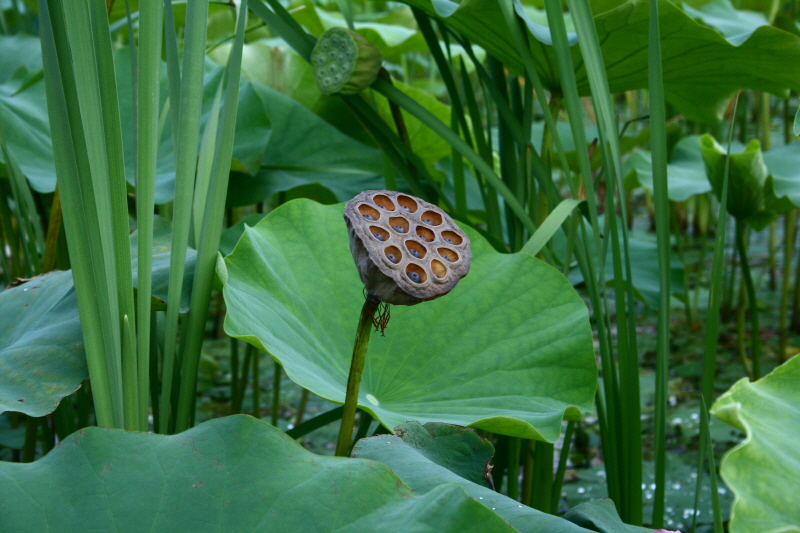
(41, 345)
(509, 350)
(763, 469)
(425, 457)
(747, 177)
(602, 516)
(783, 183)
(307, 151)
(736, 25)
(23, 115)
(685, 172)
(702, 69)
(229, 474)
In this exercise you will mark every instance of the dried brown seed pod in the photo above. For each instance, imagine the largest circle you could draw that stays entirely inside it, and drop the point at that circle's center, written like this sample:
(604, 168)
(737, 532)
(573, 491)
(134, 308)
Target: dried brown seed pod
(406, 250)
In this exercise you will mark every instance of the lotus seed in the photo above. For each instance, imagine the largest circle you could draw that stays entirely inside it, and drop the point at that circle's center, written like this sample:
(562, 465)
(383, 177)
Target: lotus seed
(391, 258)
(413, 276)
(368, 217)
(407, 208)
(382, 206)
(378, 236)
(414, 253)
(428, 221)
(448, 241)
(446, 257)
(399, 229)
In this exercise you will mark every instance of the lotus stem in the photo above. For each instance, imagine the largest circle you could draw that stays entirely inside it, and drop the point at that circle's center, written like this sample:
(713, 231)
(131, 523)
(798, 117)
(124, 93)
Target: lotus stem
(354, 379)
(741, 232)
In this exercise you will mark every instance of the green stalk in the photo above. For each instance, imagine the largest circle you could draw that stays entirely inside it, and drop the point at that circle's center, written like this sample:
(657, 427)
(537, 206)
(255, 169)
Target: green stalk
(257, 384)
(562, 467)
(542, 476)
(658, 147)
(234, 369)
(53, 230)
(354, 379)
(94, 287)
(64, 419)
(149, 58)
(755, 333)
(188, 126)
(276, 393)
(715, 293)
(236, 406)
(790, 228)
(211, 228)
(130, 383)
(31, 432)
(301, 409)
(514, 448)
(426, 117)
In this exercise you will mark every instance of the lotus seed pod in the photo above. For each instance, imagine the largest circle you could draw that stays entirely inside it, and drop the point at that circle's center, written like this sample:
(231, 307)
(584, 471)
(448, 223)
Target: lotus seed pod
(406, 250)
(344, 62)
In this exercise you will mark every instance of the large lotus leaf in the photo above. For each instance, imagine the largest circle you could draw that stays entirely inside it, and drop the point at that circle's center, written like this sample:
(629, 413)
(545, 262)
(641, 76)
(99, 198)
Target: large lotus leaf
(427, 456)
(763, 470)
(701, 68)
(747, 180)
(509, 350)
(686, 174)
(41, 345)
(230, 474)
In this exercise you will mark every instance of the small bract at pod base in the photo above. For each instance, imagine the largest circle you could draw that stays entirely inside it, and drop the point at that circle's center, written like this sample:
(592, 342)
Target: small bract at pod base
(406, 250)
(344, 62)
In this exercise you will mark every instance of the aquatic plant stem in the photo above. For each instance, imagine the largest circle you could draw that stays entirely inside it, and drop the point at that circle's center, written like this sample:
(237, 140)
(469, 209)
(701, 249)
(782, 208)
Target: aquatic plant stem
(354, 379)
(741, 244)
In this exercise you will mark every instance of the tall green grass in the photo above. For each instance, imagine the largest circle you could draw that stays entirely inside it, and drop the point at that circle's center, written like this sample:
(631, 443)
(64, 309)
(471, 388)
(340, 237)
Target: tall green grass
(87, 142)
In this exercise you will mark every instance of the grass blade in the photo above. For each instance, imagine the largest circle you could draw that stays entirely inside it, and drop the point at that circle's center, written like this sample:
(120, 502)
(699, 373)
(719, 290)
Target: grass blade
(211, 229)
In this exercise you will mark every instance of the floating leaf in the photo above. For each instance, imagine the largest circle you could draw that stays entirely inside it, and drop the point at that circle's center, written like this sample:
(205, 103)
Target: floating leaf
(41, 345)
(685, 171)
(747, 179)
(763, 470)
(235, 473)
(509, 350)
(425, 457)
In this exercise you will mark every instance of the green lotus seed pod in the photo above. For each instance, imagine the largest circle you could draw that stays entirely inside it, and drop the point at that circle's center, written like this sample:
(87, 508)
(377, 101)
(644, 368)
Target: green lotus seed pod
(344, 62)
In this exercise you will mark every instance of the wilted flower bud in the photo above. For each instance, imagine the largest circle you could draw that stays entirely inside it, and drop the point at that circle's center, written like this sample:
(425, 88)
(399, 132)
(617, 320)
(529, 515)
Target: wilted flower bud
(406, 250)
(344, 62)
